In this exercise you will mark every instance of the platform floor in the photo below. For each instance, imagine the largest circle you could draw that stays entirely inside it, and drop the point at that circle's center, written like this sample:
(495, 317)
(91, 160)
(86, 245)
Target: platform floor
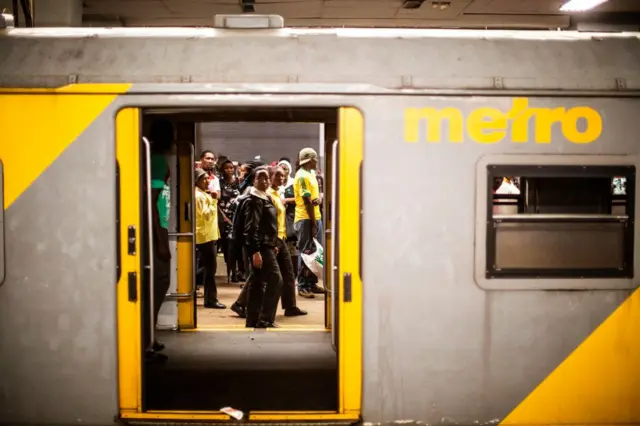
(250, 371)
(228, 293)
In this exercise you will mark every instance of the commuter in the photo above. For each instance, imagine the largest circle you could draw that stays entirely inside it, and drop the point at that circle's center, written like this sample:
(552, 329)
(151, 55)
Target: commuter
(208, 163)
(246, 181)
(162, 134)
(260, 239)
(289, 201)
(207, 234)
(288, 183)
(308, 219)
(283, 256)
(229, 191)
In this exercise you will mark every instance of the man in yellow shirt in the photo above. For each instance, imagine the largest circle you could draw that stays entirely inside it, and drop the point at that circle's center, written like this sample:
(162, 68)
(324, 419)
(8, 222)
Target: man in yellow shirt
(308, 218)
(207, 234)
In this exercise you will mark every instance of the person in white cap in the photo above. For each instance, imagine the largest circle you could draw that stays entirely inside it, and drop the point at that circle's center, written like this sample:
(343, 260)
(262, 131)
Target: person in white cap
(308, 218)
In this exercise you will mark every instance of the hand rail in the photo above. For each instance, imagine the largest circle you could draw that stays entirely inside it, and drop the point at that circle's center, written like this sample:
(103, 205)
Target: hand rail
(564, 217)
(180, 234)
(335, 175)
(152, 324)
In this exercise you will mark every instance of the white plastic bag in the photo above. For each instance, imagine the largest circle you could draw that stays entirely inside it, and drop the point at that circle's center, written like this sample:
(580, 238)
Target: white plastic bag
(315, 260)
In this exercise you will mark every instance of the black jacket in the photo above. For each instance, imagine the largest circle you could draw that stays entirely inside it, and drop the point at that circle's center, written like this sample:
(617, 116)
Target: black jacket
(260, 223)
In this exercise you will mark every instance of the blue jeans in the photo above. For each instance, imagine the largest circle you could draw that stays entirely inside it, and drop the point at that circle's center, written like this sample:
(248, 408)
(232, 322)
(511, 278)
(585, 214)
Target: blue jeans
(305, 242)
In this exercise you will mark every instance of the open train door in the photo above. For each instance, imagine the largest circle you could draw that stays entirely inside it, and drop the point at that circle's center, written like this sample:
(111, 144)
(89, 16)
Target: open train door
(133, 271)
(346, 269)
(136, 330)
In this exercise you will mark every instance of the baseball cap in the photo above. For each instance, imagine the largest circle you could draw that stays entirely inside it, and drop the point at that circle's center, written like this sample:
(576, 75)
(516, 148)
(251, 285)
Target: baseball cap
(307, 154)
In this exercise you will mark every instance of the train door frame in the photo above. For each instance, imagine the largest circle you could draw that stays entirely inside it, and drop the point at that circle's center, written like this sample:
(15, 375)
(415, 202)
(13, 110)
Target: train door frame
(348, 243)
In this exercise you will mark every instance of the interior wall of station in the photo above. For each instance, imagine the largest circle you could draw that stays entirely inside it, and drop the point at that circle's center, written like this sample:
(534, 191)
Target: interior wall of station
(243, 141)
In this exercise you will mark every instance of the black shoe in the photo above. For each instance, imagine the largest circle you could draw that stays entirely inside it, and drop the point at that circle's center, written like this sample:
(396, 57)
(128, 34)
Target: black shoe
(157, 347)
(316, 289)
(234, 278)
(241, 277)
(294, 312)
(151, 357)
(239, 310)
(215, 305)
(266, 324)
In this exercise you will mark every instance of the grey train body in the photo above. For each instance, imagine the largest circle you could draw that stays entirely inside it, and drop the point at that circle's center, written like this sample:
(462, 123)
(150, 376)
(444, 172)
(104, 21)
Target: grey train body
(437, 346)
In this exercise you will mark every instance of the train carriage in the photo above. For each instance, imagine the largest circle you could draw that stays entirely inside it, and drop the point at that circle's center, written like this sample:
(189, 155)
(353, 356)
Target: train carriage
(452, 302)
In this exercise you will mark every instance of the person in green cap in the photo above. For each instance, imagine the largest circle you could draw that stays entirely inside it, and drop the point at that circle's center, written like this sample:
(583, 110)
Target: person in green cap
(307, 219)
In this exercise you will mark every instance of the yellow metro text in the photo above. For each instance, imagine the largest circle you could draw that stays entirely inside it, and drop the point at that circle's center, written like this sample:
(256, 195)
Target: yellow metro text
(489, 125)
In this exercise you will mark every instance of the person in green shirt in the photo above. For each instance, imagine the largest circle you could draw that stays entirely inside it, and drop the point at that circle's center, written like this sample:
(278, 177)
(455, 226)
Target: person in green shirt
(162, 135)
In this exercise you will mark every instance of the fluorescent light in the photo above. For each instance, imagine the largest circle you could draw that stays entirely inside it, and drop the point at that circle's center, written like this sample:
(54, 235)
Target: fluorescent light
(580, 5)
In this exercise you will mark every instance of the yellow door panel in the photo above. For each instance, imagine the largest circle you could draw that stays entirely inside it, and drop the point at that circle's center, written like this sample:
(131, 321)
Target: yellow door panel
(186, 242)
(129, 339)
(351, 144)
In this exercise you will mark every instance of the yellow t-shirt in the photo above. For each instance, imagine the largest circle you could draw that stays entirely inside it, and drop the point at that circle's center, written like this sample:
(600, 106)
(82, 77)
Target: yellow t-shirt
(305, 184)
(282, 228)
(206, 218)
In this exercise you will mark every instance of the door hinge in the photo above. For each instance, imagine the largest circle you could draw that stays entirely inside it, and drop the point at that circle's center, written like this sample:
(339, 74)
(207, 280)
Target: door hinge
(133, 287)
(346, 293)
(131, 240)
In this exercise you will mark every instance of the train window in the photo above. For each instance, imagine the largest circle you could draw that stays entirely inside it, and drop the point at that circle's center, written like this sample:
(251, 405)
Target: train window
(560, 221)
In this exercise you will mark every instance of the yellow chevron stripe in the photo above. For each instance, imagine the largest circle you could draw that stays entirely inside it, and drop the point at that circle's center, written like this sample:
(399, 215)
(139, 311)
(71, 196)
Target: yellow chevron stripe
(599, 383)
(39, 124)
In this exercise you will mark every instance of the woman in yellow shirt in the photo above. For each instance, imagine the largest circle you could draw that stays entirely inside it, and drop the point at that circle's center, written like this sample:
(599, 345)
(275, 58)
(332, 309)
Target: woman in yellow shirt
(207, 234)
(283, 257)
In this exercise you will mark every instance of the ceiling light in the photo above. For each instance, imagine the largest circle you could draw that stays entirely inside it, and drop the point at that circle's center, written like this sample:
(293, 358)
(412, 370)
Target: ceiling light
(580, 5)
(442, 5)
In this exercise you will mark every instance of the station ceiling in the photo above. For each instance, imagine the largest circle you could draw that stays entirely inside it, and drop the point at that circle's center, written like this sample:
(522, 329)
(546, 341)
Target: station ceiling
(523, 14)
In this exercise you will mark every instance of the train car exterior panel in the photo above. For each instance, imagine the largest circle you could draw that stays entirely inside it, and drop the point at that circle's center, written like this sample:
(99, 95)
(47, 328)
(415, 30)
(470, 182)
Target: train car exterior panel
(437, 60)
(437, 346)
(485, 350)
(57, 301)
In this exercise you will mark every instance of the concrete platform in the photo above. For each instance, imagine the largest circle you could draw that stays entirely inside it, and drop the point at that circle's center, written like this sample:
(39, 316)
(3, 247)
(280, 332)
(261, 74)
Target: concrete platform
(226, 319)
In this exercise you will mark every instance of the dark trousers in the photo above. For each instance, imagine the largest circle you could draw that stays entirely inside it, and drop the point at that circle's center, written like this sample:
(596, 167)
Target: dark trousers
(233, 257)
(285, 264)
(264, 286)
(288, 277)
(208, 257)
(161, 282)
(306, 279)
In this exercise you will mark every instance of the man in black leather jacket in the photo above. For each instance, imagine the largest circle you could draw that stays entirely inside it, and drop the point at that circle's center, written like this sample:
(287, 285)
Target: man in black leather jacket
(259, 240)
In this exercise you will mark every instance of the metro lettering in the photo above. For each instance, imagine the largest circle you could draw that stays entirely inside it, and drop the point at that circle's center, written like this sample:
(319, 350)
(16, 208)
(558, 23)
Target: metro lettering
(487, 125)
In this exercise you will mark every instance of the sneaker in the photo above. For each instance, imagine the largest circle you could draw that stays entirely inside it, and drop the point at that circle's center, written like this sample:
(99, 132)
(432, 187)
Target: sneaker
(305, 293)
(316, 289)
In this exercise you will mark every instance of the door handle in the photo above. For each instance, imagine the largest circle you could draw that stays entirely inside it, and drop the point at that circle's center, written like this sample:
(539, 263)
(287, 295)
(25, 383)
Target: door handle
(187, 212)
